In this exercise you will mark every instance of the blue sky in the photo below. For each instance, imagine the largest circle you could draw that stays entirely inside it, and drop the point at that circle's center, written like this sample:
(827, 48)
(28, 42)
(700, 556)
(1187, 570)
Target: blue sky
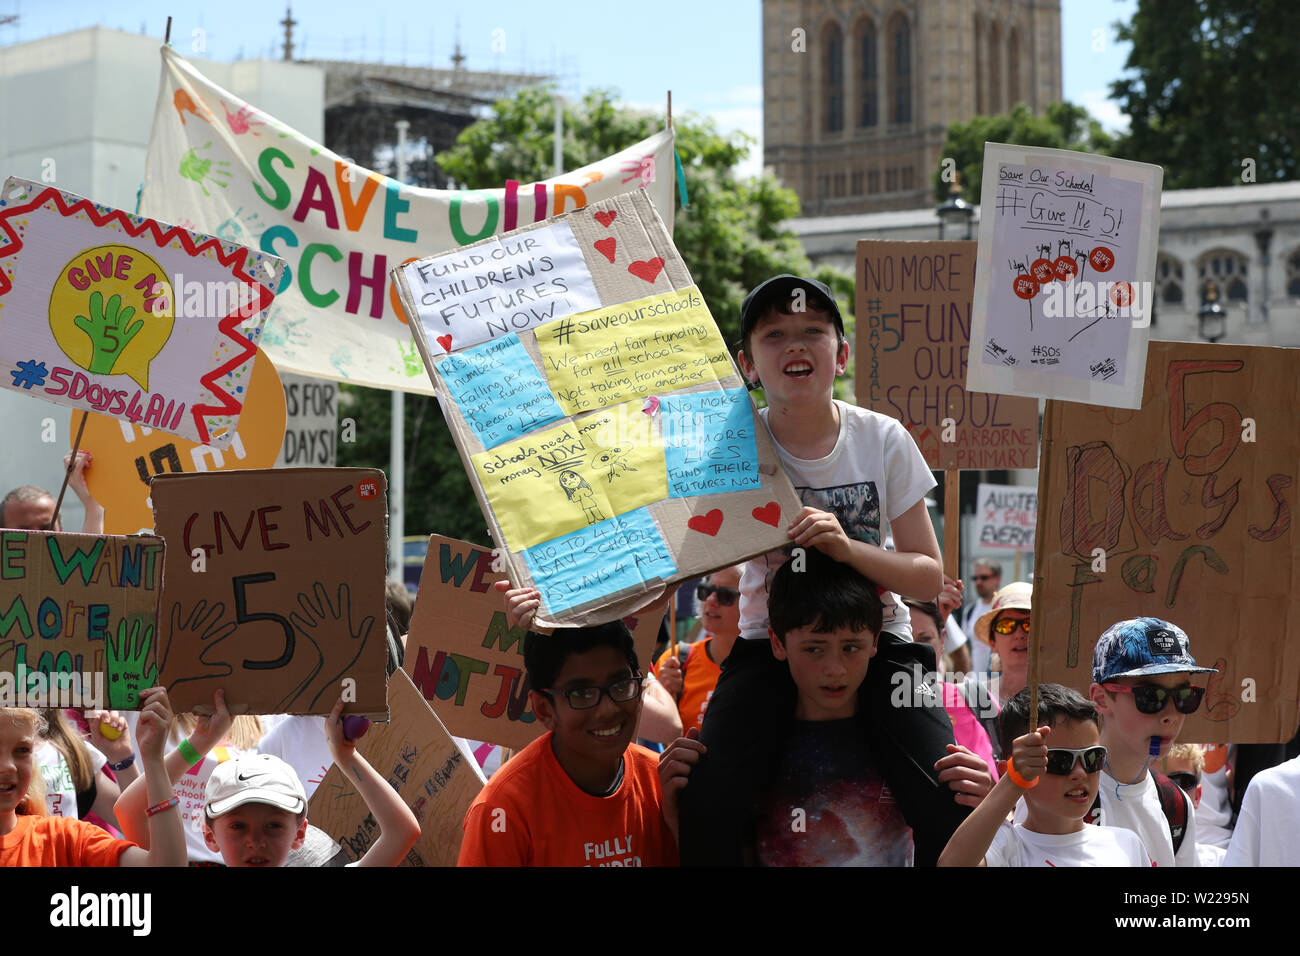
(707, 51)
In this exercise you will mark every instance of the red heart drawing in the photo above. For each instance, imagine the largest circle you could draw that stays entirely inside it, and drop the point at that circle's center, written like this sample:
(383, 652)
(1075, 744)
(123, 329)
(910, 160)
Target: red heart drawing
(445, 342)
(647, 270)
(707, 524)
(770, 513)
(606, 247)
(606, 217)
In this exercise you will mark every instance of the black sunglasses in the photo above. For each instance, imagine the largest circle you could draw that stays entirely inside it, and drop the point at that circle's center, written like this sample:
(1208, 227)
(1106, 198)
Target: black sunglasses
(726, 596)
(1061, 761)
(1186, 781)
(1151, 698)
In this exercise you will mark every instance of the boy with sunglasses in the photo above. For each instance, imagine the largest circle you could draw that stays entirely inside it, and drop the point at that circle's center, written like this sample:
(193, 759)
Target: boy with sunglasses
(582, 794)
(1141, 684)
(1055, 768)
(691, 676)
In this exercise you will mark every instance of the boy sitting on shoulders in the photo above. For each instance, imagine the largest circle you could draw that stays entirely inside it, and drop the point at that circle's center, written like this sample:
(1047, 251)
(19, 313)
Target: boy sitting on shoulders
(1058, 783)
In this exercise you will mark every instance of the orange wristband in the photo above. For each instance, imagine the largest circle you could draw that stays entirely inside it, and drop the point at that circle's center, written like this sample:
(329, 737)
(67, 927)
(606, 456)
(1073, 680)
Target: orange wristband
(1018, 780)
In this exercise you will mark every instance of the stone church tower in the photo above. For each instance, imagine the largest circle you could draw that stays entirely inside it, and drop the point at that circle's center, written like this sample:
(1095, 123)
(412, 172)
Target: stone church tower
(858, 94)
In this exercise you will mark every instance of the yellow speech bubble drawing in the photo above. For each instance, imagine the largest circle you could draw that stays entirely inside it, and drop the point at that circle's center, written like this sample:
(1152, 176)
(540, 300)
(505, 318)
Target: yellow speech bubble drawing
(112, 310)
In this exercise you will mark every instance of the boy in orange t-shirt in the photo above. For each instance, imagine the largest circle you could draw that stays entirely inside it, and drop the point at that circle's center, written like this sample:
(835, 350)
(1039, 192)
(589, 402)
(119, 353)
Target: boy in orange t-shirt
(582, 794)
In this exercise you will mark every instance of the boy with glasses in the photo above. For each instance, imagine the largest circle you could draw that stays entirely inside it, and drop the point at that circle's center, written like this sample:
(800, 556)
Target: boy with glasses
(1141, 684)
(1056, 769)
(691, 676)
(582, 794)
(1184, 766)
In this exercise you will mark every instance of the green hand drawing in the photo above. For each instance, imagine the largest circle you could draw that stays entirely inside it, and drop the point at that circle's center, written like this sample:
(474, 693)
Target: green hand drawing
(108, 331)
(199, 168)
(131, 666)
(411, 358)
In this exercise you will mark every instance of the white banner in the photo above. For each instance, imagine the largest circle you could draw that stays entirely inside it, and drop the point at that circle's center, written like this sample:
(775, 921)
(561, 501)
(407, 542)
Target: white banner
(1006, 516)
(223, 166)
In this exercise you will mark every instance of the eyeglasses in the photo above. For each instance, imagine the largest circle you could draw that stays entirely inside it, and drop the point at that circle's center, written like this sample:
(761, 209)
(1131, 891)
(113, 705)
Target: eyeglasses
(726, 596)
(1061, 761)
(1151, 698)
(585, 698)
(1186, 781)
(1008, 625)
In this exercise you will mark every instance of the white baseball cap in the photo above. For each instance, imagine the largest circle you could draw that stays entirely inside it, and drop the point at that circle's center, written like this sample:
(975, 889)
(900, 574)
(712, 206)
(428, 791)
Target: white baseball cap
(254, 778)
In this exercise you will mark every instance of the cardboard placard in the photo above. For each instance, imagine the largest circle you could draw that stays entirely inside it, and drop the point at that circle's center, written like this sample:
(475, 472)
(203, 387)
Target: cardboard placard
(237, 171)
(613, 450)
(274, 589)
(311, 422)
(83, 606)
(125, 457)
(464, 658)
(1189, 501)
(418, 758)
(1064, 282)
(913, 345)
(1006, 516)
(134, 318)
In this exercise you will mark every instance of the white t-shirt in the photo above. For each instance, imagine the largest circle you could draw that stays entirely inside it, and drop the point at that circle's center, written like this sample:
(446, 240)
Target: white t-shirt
(60, 790)
(1266, 833)
(300, 742)
(1209, 855)
(953, 637)
(874, 473)
(1214, 815)
(1013, 845)
(980, 653)
(1137, 808)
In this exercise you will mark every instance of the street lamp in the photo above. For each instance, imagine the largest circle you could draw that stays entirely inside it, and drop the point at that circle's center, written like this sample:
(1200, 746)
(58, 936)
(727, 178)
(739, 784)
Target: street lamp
(1212, 318)
(954, 211)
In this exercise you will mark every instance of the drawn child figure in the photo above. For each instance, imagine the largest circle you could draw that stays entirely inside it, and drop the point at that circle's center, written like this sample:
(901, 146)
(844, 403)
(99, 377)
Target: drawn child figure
(615, 459)
(576, 487)
(860, 477)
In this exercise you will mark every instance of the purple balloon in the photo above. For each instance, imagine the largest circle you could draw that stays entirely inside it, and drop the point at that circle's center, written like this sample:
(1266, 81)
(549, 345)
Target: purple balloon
(354, 727)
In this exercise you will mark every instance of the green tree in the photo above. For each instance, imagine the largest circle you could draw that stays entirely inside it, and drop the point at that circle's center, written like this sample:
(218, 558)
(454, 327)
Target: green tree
(1065, 126)
(730, 238)
(1214, 84)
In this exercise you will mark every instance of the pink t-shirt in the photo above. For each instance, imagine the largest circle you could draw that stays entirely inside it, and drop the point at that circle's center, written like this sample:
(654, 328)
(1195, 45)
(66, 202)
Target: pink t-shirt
(966, 727)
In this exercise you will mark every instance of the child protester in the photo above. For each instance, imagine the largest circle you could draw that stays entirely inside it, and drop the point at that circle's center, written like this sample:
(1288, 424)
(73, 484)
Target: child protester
(29, 837)
(255, 811)
(1058, 783)
(859, 475)
(582, 794)
(1141, 684)
(826, 801)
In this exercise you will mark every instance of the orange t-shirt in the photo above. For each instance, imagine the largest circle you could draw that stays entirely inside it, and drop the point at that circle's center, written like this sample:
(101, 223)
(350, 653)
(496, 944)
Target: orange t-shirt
(59, 841)
(532, 814)
(701, 677)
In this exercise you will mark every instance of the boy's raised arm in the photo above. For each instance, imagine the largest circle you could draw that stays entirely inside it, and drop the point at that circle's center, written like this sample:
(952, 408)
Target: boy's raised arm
(166, 831)
(972, 840)
(131, 805)
(398, 828)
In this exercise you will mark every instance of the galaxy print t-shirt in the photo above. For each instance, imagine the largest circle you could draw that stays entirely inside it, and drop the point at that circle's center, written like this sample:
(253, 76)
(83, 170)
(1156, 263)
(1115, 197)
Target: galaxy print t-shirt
(828, 805)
